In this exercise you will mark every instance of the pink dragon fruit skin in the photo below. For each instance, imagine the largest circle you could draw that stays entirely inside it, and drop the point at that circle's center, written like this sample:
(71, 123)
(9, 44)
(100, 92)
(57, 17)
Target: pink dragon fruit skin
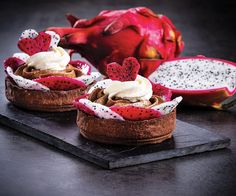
(114, 35)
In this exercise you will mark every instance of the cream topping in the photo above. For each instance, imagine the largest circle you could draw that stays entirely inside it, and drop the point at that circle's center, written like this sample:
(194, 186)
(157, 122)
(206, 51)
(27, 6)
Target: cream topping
(55, 59)
(138, 90)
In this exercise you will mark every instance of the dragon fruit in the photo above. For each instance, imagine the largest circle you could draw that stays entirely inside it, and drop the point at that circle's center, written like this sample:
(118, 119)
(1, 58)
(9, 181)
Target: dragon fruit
(21, 55)
(100, 84)
(44, 40)
(32, 42)
(200, 80)
(33, 45)
(114, 35)
(128, 71)
(98, 110)
(136, 113)
(47, 83)
(125, 112)
(29, 33)
(25, 83)
(13, 63)
(88, 79)
(163, 92)
(83, 66)
(167, 107)
(55, 38)
(83, 107)
(61, 83)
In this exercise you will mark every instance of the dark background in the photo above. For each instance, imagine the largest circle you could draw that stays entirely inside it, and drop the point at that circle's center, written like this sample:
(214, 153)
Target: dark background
(29, 167)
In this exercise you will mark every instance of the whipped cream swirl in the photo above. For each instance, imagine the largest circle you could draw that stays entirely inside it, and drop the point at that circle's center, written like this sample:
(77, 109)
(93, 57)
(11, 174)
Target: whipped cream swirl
(138, 90)
(55, 59)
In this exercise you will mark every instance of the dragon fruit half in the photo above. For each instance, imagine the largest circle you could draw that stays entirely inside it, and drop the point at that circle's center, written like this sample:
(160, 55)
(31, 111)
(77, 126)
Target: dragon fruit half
(114, 35)
(199, 80)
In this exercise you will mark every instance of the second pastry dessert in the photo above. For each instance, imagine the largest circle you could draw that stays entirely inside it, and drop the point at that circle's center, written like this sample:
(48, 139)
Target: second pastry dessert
(126, 109)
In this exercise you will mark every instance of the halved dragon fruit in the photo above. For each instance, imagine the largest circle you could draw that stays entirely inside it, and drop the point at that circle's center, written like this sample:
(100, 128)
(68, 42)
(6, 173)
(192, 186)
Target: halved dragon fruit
(200, 80)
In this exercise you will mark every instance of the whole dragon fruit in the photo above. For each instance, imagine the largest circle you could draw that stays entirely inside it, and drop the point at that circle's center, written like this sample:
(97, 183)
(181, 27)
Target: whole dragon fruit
(114, 35)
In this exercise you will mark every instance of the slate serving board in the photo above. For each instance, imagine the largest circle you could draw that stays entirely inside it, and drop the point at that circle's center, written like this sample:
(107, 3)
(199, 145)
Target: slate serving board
(61, 131)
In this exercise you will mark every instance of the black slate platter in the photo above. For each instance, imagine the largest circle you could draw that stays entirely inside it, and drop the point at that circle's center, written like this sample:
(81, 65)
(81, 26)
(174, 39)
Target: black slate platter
(61, 131)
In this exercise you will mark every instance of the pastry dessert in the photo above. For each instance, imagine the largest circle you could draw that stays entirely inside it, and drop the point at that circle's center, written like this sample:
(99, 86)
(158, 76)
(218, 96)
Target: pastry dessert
(42, 77)
(126, 109)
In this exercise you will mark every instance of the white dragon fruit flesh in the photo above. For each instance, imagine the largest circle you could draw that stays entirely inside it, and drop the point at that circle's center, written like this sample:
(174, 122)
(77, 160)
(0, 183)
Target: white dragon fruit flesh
(199, 80)
(99, 110)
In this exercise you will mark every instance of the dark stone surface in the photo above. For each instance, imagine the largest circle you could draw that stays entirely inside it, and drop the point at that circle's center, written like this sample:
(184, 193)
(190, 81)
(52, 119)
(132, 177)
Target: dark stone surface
(30, 167)
(61, 131)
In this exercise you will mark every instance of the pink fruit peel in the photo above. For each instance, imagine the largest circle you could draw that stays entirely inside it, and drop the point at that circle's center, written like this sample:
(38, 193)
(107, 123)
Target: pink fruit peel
(114, 35)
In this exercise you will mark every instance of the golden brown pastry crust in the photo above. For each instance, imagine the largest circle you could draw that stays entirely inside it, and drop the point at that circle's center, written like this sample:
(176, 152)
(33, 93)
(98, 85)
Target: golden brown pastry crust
(48, 101)
(111, 131)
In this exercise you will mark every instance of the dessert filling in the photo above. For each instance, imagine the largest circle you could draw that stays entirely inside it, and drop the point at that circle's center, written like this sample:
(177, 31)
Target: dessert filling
(30, 73)
(48, 63)
(55, 59)
(130, 93)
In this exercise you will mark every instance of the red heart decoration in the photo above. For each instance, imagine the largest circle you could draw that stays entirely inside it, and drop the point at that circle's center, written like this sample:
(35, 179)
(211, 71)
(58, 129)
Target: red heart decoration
(35, 45)
(128, 71)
